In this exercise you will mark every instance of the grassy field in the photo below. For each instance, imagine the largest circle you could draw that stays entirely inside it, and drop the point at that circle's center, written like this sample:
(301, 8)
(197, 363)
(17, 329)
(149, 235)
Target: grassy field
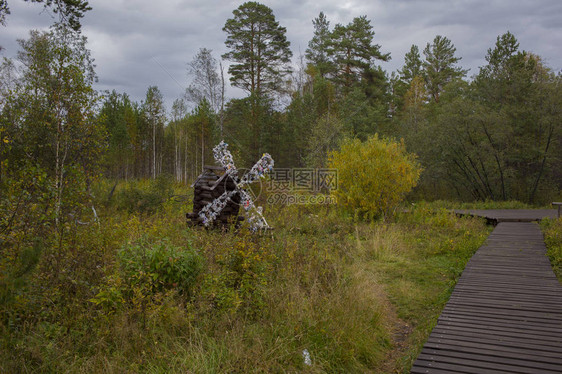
(142, 292)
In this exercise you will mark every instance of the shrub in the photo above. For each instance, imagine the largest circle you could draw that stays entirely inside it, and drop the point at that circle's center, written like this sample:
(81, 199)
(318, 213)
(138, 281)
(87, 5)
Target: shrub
(166, 266)
(552, 229)
(147, 199)
(374, 176)
(242, 273)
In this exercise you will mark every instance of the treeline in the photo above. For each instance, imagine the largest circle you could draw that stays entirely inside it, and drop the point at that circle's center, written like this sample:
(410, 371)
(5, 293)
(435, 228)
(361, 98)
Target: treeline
(496, 135)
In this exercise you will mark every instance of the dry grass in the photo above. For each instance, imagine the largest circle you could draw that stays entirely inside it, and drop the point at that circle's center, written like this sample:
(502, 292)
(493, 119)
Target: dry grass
(359, 297)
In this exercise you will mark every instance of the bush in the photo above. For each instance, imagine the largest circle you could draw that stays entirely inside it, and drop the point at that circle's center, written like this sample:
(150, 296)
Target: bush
(147, 199)
(166, 266)
(374, 176)
(552, 229)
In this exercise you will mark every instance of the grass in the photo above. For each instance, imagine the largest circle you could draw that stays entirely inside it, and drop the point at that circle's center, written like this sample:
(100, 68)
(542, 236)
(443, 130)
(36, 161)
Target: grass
(552, 230)
(357, 296)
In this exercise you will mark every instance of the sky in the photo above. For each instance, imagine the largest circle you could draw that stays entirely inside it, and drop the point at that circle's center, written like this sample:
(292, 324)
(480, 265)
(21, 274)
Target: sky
(141, 43)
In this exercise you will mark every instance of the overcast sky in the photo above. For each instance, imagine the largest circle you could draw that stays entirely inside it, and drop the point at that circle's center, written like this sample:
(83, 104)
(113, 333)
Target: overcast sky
(145, 42)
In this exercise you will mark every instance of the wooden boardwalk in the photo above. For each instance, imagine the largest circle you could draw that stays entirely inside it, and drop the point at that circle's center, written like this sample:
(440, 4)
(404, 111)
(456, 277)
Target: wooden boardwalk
(510, 215)
(505, 313)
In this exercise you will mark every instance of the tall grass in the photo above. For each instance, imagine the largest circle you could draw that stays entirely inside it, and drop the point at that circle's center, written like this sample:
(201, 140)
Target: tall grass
(356, 296)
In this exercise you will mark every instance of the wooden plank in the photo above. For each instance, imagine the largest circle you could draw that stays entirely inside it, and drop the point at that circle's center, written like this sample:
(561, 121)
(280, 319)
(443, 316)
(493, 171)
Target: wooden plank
(422, 370)
(505, 304)
(484, 360)
(455, 368)
(545, 298)
(525, 335)
(530, 360)
(498, 328)
(466, 344)
(512, 319)
(501, 323)
(506, 312)
(529, 347)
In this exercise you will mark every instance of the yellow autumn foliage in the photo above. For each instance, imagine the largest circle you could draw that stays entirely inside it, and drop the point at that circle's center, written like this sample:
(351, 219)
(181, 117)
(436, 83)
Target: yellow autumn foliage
(374, 176)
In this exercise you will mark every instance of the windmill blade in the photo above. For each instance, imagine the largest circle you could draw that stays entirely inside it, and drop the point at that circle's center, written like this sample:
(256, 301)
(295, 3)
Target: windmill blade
(211, 211)
(223, 156)
(253, 213)
(259, 170)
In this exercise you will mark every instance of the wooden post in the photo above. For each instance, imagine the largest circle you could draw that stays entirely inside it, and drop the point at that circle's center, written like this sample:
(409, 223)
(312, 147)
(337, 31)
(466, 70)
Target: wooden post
(559, 205)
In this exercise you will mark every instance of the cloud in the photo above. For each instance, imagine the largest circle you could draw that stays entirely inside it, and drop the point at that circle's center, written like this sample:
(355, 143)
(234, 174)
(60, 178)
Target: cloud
(141, 43)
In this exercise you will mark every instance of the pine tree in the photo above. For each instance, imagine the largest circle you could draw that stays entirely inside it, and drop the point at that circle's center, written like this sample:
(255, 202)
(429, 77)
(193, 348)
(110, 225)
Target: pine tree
(317, 51)
(70, 11)
(440, 65)
(353, 51)
(259, 49)
(413, 65)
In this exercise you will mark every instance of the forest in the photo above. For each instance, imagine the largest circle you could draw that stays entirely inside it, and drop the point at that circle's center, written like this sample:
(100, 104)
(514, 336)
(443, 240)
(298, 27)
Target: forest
(99, 272)
(474, 140)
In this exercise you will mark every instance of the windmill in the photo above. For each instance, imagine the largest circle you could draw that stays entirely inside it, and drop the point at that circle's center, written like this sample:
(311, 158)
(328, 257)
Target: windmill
(219, 198)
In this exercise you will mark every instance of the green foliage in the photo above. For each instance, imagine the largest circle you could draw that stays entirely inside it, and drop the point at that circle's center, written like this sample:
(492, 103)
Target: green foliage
(251, 127)
(440, 65)
(353, 52)
(318, 282)
(498, 134)
(495, 138)
(318, 46)
(258, 47)
(552, 229)
(145, 198)
(374, 176)
(138, 291)
(162, 264)
(70, 11)
(241, 280)
(117, 116)
(413, 65)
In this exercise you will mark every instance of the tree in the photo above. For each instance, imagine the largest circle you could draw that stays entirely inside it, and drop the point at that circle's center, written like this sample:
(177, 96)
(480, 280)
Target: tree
(179, 114)
(440, 65)
(70, 11)
(207, 84)
(202, 121)
(499, 58)
(353, 52)
(4, 11)
(326, 133)
(374, 176)
(414, 100)
(115, 116)
(53, 149)
(413, 65)
(155, 114)
(59, 123)
(522, 98)
(259, 49)
(318, 46)
(495, 137)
